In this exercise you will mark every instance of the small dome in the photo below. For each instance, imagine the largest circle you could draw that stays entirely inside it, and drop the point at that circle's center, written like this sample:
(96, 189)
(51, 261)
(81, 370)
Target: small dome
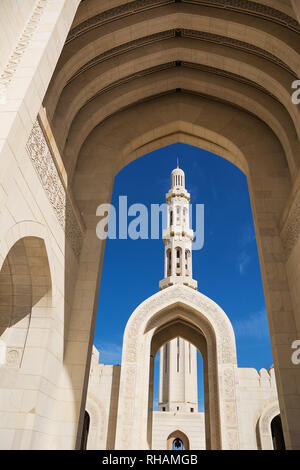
(178, 177)
(178, 171)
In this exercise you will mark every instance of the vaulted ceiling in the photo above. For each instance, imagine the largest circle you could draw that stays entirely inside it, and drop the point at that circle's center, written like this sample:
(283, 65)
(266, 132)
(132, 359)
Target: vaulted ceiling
(119, 54)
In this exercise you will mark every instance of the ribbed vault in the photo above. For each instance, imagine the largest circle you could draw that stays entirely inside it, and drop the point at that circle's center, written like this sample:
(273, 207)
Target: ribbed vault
(118, 54)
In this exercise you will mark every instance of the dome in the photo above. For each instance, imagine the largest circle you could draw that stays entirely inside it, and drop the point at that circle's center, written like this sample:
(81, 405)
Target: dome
(178, 171)
(177, 177)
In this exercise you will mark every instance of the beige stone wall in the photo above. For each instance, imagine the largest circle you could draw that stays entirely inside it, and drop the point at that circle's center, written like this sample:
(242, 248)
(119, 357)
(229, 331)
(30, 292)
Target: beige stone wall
(256, 390)
(102, 404)
(256, 398)
(191, 424)
(14, 14)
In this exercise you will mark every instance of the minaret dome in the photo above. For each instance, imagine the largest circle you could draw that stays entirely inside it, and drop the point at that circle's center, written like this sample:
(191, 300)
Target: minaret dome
(177, 178)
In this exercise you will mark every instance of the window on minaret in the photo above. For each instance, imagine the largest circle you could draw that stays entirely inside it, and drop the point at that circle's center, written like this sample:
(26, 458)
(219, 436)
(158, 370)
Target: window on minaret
(187, 262)
(169, 259)
(171, 218)
(178, 262)
(166, 358)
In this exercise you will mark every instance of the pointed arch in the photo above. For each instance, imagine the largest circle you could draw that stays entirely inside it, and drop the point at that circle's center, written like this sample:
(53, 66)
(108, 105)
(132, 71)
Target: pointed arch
(178, 435)
(152, 324)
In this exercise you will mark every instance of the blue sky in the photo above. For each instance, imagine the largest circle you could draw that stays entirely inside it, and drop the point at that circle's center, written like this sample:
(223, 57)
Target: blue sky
(226, 268)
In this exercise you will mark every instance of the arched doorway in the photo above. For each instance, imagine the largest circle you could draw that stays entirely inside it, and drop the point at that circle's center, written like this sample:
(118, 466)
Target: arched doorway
(94, 142)
(25, 329)
(25, 288)
(85, 431)
(155, 322)
(277, 433)
(251, 84)
(269, 427)
(177, 440)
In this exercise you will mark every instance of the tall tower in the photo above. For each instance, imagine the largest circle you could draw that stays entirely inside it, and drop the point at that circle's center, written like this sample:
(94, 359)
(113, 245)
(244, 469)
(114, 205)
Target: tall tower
(178, 358)
(178, 236)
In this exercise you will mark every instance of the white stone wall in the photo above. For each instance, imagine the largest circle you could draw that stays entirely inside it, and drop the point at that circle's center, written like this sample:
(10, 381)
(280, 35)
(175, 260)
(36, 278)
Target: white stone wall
(255, 391)
(101, 404)
(47, 416)
(14, 15)
(166, 422)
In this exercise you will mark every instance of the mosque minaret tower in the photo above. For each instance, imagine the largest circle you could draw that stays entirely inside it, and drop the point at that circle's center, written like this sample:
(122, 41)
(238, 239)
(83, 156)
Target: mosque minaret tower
(178, 358)
(178, 236)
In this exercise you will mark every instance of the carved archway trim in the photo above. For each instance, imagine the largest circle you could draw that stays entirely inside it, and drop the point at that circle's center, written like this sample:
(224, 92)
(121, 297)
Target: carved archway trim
(212, 322)
(264, 425)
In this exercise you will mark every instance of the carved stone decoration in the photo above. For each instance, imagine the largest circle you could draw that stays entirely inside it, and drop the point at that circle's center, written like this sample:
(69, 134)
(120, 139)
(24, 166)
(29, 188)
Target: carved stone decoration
(290, 232)
(43, 163)
(172, 303)
(165, 298)
(228, 383)
(232, 437)
(230, 408)
(22, 44)
(264, 425)
(266, 418)
(12, 357)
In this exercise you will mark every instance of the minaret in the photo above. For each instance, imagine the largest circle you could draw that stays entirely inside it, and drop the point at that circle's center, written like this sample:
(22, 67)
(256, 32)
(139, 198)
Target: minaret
(178, 358)
(178, 236)
(178, 377)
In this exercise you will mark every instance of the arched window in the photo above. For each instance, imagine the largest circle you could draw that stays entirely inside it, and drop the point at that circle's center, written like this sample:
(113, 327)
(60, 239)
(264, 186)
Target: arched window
(169, 260)
(178, 215)
(187, 263)
(177, 444)
(178, 262)
(177, 440)
(184, 215)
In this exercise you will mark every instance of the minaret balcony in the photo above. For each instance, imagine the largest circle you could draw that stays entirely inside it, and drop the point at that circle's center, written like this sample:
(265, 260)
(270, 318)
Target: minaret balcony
(178, 192)
(179, 280)
(177, 231)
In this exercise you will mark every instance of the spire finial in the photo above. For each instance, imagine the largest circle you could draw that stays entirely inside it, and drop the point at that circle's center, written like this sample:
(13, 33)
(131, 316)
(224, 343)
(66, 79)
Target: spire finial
(177, 163)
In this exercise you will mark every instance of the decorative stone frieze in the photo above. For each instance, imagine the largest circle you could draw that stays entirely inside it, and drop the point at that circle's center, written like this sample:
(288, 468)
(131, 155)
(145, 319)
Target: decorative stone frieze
(59, 199)
(21, 47)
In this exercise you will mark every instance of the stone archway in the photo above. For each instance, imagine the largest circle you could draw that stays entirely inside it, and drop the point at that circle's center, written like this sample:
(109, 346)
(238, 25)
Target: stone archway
(264, 425)
(141, 340)
(26, 312)
(178, 435)
(277, 433)
(94, 70)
